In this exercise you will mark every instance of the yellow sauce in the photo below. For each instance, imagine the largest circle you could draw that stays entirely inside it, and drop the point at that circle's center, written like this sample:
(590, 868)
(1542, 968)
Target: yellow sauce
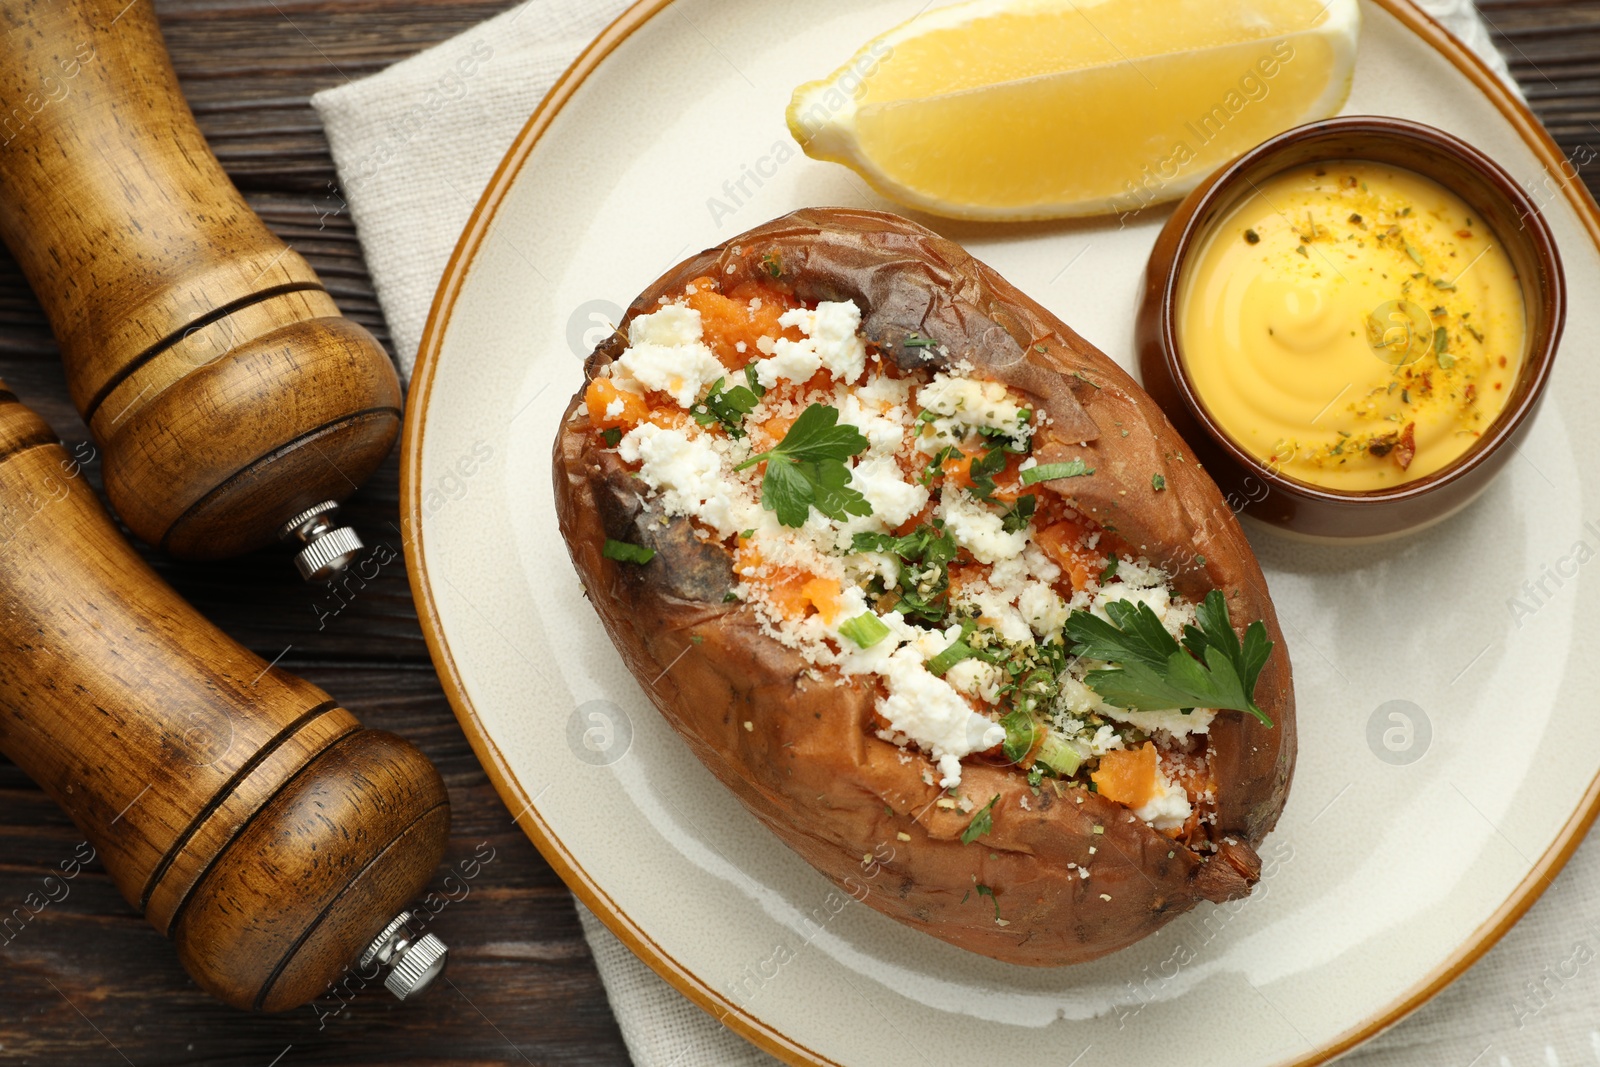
(1353, 325)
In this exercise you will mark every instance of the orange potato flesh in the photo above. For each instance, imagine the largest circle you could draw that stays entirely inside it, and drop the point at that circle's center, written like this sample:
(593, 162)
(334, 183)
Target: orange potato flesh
(1128, 776)
(787, 595)
(776, 427)
(825, 595)
(792, 594)
(726, 321)
(1062, 542)
(601, 394)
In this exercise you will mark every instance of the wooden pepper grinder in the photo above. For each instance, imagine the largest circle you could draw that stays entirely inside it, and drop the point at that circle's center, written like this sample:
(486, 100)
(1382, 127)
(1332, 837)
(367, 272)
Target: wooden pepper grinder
(231, 400)
(248, 816)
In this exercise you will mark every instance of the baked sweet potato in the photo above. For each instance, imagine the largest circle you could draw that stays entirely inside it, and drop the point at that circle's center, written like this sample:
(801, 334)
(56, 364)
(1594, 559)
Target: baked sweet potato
(816, 565)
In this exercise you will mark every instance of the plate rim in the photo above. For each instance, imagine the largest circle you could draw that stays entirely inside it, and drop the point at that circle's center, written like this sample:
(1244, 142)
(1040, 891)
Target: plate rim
(766, 1037)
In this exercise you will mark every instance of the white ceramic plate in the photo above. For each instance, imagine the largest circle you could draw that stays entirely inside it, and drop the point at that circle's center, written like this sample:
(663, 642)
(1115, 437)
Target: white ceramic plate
(1410, 843)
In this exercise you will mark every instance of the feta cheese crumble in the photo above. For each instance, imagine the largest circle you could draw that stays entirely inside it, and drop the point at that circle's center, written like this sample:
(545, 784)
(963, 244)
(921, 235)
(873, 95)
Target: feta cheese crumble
(968, 403)
(832, 342)
(665, 353)
(893, 499)
(689, 476)
(929, 711)
(979, 529)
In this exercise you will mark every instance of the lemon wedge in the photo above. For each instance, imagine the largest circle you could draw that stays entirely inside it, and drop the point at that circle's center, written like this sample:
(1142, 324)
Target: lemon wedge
(1018, 109)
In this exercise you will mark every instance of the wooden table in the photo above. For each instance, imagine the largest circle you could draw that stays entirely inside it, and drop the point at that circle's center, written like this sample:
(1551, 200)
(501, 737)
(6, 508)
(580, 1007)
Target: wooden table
(87, 982)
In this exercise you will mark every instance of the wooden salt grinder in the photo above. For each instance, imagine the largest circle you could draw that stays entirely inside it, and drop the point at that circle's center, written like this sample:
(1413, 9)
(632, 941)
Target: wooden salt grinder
(225, 390)
(248, 816)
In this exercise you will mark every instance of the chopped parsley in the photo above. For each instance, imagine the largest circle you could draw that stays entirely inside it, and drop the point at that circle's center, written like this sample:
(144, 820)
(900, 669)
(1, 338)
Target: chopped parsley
(936, 464)
(726, 407)
(983, 470)
(1019, 515)
(1158, 482)
(1004, 439)
(807, 469)
(1049, 472)
(916, 341)
(1151, 672)
(911, 547)
(924, 581)
(985, 891)
(1110, 571)
(772, 264)
(623, 552)
(981, 823)
(612, 437)
(755, 383)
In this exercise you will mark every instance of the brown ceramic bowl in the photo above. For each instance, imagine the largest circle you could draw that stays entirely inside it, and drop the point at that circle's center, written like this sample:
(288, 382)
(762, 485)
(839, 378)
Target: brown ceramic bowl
(1288, 504)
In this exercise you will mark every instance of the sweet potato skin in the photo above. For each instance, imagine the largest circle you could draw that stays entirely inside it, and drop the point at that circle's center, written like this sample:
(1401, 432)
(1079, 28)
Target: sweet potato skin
(808, 764)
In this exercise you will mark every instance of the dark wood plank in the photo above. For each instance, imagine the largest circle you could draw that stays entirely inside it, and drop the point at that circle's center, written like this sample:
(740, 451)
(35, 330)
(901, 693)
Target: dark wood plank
(86, 982)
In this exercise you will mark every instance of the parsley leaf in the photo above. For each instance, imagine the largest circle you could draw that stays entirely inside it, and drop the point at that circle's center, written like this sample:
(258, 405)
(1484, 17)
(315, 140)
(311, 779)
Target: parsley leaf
(1007, 439)
(927, 544)
(983, 470)
(726, 407)
(1019, 514)
(831, 485)
(624, 552)
(985, 891)
(807, 469)
(981, 823)
(925, 581)
(935, 465)
(1151, 672)
(787, 491)
(816, 435)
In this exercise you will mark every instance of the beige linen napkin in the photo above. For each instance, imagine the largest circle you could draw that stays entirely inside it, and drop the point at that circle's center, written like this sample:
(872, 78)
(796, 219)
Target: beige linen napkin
(416, 144)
